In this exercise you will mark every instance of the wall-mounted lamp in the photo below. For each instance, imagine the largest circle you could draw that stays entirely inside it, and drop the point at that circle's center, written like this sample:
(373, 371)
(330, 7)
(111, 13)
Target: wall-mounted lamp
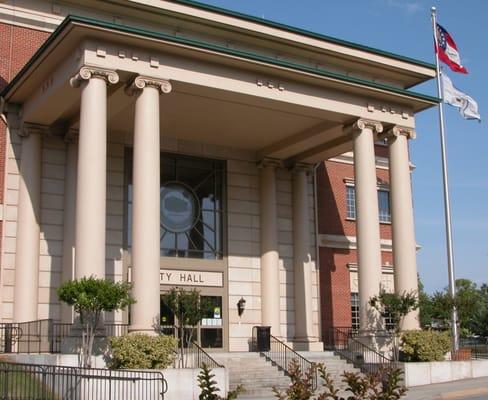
(241, 306)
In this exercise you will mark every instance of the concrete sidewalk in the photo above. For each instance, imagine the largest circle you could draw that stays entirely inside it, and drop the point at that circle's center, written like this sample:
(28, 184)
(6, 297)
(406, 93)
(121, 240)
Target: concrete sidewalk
(474, 389)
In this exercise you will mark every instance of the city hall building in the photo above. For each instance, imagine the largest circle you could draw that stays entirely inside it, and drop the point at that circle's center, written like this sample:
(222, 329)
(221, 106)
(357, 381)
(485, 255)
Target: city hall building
(175, 144)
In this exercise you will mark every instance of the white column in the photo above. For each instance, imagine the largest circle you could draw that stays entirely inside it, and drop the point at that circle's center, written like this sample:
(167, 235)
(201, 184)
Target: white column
(402, 222)
(28, 228)
(270, 267)
(146, 204)
(68, 261)
(367, 221)
(302, 256)
(92, 171)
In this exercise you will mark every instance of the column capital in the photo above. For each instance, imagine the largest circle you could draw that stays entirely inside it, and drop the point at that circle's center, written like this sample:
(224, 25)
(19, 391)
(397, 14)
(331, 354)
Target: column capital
(399, 130)
(269, 163)
(140, 82)
(33, 129)
(87, 72)
(360, 124)
(71, 136)
(301, 167)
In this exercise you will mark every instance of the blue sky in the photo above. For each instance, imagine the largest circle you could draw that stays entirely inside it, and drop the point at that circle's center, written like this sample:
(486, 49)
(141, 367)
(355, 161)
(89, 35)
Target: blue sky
(404, 27)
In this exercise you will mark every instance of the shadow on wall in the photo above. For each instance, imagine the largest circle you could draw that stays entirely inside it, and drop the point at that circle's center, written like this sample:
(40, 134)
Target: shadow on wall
(335, 304)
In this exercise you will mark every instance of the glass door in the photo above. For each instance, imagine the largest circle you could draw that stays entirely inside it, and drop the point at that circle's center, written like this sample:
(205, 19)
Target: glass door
(209, 332)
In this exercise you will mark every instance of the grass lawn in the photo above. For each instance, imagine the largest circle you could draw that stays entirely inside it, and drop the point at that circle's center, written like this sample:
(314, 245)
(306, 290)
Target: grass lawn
(21, 384)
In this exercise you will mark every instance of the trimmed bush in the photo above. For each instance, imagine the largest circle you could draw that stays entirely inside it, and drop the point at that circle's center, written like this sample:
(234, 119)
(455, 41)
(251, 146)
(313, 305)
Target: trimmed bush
(140, 351)
(425, 345)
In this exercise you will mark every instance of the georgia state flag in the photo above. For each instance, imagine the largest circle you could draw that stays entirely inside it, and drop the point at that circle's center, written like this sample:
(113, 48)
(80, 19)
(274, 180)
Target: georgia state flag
(447, 50)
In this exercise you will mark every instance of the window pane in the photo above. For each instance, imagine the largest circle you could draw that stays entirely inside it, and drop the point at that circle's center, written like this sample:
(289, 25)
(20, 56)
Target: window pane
(384, 205)
(211, 338)
(355, 311)
(350, 202)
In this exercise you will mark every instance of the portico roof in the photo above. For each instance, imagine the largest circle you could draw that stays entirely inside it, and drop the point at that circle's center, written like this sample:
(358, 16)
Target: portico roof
(238, 97)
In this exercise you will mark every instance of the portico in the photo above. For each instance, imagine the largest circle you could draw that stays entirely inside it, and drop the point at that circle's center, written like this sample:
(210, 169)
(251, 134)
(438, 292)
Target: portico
(117, 102)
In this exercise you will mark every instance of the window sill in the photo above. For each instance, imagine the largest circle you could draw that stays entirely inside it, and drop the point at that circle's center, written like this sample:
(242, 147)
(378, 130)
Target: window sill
(381, 222)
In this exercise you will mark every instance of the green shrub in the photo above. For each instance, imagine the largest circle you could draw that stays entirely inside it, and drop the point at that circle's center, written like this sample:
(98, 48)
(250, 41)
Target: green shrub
(140, 351)
(425, 345)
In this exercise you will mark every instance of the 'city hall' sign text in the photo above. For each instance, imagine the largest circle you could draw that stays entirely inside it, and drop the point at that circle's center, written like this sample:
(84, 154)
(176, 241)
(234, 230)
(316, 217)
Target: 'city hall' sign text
(190, 278)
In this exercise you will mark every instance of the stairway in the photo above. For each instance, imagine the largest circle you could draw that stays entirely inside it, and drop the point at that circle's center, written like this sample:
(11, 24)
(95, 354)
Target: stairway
(258, 376)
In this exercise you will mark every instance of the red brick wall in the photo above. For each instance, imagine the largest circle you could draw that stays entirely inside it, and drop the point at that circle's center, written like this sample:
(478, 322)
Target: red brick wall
(17, 45)
(334, 274)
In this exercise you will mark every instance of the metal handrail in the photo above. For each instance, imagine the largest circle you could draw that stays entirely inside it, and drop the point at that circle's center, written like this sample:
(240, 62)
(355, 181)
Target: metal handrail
(39, 381)
(359, 354)
(200, 357)
(280, 354)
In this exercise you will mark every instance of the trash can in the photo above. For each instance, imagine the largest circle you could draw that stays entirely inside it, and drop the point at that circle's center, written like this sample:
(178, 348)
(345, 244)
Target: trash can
(263, 338)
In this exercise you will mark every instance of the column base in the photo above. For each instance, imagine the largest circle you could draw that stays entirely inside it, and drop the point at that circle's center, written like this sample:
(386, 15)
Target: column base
(134, 329)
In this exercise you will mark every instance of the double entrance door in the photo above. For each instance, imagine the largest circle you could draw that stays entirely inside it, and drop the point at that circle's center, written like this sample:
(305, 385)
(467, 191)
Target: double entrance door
(210, 331)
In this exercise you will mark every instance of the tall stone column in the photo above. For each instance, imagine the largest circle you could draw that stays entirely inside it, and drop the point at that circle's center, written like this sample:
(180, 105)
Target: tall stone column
(402, 223)
(146, 204)
(68, 260)
(367, 221)
(28, 227)
(270, 267)
(91, 189)
(302, 256)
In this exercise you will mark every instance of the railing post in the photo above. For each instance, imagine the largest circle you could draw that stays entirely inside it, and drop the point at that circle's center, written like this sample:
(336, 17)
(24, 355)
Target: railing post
(8, 338)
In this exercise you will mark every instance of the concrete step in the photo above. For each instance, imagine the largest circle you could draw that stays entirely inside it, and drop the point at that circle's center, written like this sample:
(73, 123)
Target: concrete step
(259, 376)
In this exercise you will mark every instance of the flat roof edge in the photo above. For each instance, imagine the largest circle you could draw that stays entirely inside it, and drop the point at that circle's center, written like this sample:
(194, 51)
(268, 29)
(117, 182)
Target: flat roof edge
(212, 47)
(303, 32)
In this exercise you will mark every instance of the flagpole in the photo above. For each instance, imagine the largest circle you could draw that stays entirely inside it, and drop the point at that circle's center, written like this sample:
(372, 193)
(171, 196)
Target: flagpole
(447, 202)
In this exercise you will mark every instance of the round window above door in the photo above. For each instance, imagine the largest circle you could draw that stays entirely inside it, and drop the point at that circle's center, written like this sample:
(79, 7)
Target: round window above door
(179, 207)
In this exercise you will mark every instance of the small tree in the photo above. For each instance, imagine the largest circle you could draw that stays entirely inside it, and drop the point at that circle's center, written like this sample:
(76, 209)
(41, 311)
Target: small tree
(396, 307)
(89, 298)
(188, 308)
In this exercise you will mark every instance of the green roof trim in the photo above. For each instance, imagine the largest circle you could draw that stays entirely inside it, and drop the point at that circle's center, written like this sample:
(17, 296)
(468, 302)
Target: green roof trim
(301, 31)
(213, 47)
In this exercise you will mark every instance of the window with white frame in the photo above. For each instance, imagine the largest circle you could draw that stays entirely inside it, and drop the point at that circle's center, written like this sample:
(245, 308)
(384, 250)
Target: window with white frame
(355, 311)
(383, 204)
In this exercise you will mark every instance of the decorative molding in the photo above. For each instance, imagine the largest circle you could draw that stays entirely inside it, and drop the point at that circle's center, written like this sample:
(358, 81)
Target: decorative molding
(87, 72)
(72, 136)
(33, 129)
(302, 167)
(350, 242)
(269, 163)
(140, 82)
(361, 124)
(348, 158)
(398, 130)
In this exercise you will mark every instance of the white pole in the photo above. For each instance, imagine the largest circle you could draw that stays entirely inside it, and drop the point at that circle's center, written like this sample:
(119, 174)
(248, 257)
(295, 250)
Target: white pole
(447, 203)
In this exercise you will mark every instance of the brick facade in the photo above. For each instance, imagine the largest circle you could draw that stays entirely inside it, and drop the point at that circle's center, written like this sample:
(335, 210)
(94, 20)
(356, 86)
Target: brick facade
(335, 285)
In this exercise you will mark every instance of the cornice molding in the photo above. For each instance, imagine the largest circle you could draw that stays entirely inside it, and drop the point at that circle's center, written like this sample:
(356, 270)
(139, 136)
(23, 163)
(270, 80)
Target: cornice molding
(140, 82)
(87, 72)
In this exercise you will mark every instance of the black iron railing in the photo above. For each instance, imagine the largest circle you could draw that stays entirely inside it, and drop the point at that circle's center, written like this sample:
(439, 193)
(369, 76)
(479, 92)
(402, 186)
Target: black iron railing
(9, 335)
(281, 355)
(44, 336)
(351, 347)
(47, 382)
(196, 357)
(478, 347)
